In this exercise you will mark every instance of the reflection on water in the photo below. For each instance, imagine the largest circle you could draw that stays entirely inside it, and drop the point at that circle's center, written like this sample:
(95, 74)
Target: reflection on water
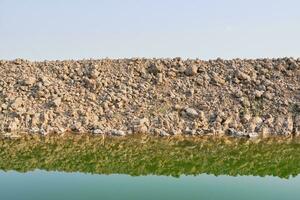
(143, 155)
(177, 168)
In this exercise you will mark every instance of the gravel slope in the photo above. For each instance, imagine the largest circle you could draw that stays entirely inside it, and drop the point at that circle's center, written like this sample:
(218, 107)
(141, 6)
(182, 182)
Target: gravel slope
(237, 97)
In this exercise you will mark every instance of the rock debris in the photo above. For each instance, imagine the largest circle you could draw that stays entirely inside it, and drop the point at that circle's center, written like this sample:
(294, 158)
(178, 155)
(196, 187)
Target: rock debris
(242, 98)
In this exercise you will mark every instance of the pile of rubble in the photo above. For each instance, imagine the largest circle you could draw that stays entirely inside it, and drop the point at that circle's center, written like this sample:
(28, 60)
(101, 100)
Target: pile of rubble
(151, 96)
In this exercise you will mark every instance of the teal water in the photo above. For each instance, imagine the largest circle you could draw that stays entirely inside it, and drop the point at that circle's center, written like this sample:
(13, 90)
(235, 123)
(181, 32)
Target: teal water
(45, 185)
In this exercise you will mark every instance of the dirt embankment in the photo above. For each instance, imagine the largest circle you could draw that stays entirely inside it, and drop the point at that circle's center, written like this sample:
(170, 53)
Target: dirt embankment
(154, 96)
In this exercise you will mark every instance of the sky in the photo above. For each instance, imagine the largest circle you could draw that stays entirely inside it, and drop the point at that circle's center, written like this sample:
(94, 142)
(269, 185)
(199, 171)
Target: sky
(83, 29)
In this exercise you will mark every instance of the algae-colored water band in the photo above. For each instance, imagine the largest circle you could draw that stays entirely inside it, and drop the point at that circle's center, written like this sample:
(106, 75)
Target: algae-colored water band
(144, 155)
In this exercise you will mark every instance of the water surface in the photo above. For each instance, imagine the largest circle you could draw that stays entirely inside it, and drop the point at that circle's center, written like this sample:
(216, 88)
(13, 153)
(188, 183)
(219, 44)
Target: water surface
(58, 185)
(81, 167)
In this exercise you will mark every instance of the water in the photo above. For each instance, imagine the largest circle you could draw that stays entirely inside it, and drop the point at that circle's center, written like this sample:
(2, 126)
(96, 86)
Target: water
(148, 168)
(60, 185)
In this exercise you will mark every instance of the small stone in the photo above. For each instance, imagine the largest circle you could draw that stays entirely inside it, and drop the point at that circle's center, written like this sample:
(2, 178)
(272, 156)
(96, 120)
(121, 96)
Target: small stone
(293, 65)
(4, 106)
(30, 81)
(140, 125)
(268, 95)
(235, 133)
(175, 132)
(218, 79)
(243, 76)
(269, 119)
(191, 70)
(117, 132)
(190, 93)
(13, 125)
(177, 107)
(257, 120)
(56, 102)
(45, 80)
(171, 74)
(258, 93)
(155, 68)
(34, 130)
(254, 124)
(17, 103)
(97, 131)
(76, 126)
(159, 78)
(227, 122)
(191, 112)
(202, 116)
(61, 129)
(265, 132)
(163, 133)
(141, 129)
(190, 131)
(43, 132)
(253, 134)
(245, 102)
(94, 73)
(141, 121)
(246, 117)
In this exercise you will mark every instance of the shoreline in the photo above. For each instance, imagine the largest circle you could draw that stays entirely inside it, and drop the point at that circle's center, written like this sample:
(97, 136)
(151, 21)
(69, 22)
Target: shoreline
(167, 97)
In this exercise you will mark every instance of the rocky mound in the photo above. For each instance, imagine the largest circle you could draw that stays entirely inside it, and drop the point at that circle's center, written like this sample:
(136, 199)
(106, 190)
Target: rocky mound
(152, 96)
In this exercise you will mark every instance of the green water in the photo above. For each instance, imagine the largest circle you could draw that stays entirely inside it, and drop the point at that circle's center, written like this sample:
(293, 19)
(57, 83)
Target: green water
(81, 167)
(58, 185)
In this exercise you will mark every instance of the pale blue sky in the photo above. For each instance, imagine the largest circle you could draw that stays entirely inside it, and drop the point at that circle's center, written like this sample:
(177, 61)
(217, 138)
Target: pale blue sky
(75, 29)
